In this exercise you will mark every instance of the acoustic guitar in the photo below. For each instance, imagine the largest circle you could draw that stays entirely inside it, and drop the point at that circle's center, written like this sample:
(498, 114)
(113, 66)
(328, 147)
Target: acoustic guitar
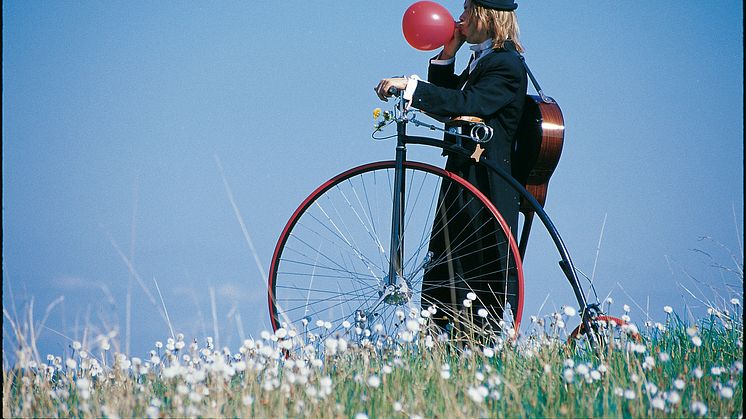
(537, 150)
(540, 137)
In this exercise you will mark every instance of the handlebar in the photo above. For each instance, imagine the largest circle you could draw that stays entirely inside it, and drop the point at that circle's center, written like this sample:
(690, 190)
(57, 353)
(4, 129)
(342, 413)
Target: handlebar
(479, 132)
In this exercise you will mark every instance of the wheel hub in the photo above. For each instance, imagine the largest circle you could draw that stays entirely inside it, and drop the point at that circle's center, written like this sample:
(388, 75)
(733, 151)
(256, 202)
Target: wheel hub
(396, 294)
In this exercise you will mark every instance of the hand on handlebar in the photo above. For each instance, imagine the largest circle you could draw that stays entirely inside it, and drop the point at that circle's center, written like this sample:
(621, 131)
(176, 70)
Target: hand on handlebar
(390, 87)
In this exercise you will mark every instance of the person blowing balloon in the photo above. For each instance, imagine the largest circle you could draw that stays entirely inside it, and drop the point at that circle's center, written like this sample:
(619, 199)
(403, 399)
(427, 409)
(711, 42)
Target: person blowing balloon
(492, 87)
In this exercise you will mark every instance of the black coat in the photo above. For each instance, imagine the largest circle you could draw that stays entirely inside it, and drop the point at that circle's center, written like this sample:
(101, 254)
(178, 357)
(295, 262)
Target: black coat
(494, 91)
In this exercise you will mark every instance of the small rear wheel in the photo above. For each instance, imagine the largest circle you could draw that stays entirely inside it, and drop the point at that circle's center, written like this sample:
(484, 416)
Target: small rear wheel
(328, 274)
(608, 330)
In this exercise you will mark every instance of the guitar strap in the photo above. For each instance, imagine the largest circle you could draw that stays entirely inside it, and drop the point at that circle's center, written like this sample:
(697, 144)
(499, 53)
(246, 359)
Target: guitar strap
(546, 99)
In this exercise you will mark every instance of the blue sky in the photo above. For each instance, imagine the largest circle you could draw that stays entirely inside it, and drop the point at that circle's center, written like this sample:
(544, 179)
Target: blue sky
(114, 114)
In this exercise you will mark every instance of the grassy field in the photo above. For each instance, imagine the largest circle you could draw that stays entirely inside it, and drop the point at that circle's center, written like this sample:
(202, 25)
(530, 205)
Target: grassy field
(667, 370)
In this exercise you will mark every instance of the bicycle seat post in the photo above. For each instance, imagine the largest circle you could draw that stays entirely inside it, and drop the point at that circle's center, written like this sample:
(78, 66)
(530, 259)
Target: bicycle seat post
(397, 224)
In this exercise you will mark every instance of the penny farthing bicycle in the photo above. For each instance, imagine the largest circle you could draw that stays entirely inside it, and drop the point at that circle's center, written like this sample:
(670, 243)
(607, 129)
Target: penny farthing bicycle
(353, 258)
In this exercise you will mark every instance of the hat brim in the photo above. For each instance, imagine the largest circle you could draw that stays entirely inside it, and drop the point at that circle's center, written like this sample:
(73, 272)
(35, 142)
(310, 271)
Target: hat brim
(497, 5)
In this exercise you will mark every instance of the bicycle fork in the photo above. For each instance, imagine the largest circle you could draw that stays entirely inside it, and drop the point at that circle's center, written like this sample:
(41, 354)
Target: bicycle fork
(395, 289)
(396, 251)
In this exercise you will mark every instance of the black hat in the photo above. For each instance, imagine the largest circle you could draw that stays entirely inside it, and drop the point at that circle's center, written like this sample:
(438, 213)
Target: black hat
(508, 5)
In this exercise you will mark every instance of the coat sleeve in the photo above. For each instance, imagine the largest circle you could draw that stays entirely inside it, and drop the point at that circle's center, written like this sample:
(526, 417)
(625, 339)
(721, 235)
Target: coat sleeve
(485, 94)
(442, 75)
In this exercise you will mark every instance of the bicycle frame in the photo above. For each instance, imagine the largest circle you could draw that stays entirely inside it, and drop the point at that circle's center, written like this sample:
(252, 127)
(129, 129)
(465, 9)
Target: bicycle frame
(395, 269)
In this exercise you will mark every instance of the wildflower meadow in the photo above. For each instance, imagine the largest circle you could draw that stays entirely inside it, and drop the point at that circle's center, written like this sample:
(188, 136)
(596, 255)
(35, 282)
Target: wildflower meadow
(667, 369)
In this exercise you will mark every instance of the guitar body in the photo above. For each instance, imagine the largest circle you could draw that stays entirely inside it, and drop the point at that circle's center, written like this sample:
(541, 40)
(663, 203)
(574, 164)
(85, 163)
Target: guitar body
(540, 136)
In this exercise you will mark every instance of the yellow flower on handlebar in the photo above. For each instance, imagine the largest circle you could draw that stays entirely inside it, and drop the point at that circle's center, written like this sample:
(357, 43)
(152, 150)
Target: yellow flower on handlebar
(381, 119)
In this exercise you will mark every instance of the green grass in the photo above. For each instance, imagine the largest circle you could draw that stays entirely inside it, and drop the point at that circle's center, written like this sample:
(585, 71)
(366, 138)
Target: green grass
(665, 374)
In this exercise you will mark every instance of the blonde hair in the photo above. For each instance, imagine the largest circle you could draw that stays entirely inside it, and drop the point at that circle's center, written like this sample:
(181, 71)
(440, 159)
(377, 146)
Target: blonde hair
(502, 25)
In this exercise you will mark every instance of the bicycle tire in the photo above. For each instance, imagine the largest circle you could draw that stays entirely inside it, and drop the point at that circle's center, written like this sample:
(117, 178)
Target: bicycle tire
(332, 255)
(607, 329)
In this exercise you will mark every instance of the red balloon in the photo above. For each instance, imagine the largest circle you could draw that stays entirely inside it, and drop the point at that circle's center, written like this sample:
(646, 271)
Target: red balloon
(427, 25)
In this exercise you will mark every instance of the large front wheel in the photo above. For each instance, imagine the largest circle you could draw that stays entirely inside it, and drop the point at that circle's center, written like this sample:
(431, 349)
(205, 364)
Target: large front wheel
(329, 272)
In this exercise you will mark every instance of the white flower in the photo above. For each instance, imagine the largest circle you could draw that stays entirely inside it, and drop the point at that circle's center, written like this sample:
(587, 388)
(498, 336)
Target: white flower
(361, 416)
(483, 313)
(699, 408)
(477, 394)
(467, 303)
(374, 381)
(629, 394)
(697, 372)
(346, 324)
(582, 369)
(331, 346)
(398, 407)
(679, 383)
(726, 392)
(664, 357)
(488, 352)
(658, 403)
(696, 341)
(651, 388)
(674, 397)
(625, 308)
(668, 309)
(691, 331)
(413, 325)
(609, 300)
(471, 296)
(595, 375)
(445, 371)
(568, 375)
(569, 311)
(569, 363)
(281, 333)
(429, 342)
(400, 315)
(735, 302)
